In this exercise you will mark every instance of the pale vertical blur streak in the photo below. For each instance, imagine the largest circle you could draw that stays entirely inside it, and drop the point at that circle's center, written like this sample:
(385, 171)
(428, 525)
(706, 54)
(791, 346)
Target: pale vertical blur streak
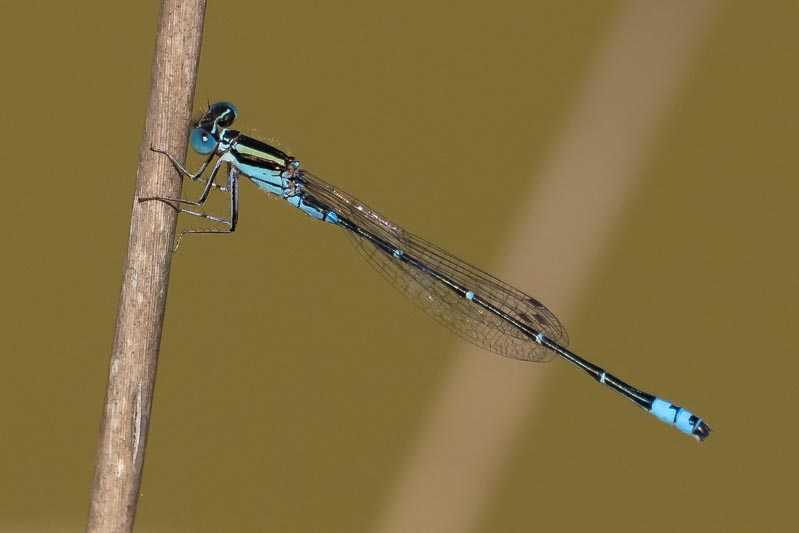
(585, 183)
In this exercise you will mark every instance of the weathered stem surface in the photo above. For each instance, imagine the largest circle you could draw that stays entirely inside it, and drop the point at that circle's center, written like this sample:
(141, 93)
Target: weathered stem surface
(131, 378)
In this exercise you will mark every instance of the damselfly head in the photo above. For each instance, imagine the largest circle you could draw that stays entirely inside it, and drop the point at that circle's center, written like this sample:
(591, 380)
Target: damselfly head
(219, 115)
(208, 130)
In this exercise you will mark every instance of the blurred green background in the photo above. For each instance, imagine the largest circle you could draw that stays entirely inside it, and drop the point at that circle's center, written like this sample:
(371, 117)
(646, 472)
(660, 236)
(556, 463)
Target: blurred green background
(293, 381)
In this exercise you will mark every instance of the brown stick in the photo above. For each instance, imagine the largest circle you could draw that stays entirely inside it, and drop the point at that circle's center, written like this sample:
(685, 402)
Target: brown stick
(131, 379)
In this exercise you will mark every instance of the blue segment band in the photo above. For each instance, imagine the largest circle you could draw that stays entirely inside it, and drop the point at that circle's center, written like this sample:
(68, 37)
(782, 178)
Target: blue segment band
(664, 411)
(683, 422)
(674, 415)
(311, 211)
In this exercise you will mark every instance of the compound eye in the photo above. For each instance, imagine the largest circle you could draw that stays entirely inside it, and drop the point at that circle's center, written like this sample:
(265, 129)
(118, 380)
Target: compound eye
(202, 142)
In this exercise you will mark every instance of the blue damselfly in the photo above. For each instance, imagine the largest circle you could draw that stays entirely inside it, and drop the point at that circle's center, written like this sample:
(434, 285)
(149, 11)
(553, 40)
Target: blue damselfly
(473, 304)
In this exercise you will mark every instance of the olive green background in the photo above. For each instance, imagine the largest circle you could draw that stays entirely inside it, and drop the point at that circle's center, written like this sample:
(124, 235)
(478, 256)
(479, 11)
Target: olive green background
(292, 378)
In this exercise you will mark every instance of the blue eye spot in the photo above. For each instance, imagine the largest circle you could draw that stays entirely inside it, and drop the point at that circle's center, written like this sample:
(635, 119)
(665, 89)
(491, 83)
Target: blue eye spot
(202, 142)
(225, 113)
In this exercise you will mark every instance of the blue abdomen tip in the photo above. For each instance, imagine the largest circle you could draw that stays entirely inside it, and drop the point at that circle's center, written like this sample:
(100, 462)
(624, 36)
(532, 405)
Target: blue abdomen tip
(675, 416)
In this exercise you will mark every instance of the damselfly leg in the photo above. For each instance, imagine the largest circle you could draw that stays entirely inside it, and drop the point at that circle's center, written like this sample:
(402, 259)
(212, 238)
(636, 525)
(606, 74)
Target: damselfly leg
(231, 187)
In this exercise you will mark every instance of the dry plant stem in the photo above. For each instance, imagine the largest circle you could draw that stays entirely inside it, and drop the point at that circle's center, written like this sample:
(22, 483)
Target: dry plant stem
(131, 379)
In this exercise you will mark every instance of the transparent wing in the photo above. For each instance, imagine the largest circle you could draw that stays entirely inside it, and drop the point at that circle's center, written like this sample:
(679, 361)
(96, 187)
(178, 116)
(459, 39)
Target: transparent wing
(454, 312)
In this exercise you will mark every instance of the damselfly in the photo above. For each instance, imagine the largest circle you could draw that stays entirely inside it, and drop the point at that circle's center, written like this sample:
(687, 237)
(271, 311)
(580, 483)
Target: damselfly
(471, 303)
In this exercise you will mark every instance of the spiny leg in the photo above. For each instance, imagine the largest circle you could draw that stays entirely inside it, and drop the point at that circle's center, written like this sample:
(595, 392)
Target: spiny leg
(195, 177)
(180, 168)
(233, 186)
